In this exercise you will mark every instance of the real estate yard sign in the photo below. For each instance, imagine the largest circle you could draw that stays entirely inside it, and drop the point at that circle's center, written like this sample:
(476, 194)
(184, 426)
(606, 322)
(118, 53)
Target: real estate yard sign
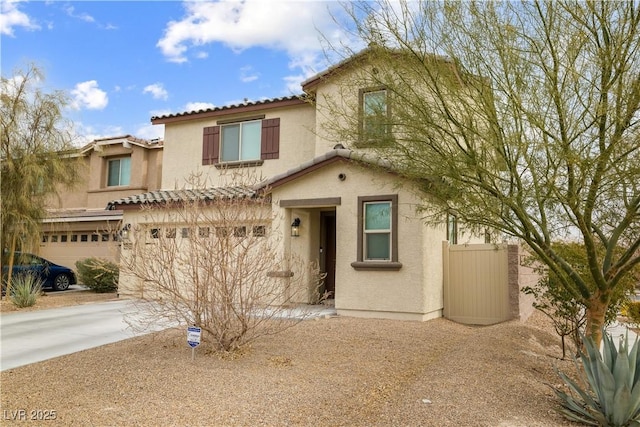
(193, 339)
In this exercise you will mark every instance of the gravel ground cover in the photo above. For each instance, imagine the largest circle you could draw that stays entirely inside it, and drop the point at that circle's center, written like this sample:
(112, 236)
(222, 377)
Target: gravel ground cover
(334, 371)
(59, 299)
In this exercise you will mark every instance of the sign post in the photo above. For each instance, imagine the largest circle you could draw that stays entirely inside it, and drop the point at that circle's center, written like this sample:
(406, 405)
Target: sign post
(193, 339)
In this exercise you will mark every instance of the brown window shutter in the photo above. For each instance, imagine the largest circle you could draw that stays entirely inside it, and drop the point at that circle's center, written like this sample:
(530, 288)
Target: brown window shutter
(270, 144)
(210, 145)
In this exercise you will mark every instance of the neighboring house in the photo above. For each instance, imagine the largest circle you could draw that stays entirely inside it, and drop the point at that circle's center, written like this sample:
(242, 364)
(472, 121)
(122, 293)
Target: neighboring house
(347, 211)
(78, 226)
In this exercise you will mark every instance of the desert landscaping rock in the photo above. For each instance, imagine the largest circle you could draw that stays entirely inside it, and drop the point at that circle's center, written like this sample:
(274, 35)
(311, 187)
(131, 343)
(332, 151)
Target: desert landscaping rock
(338, 371)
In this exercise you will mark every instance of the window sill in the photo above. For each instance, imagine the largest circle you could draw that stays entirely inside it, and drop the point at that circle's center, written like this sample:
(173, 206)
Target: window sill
(376, 266)
(117, 188)
(239, 164)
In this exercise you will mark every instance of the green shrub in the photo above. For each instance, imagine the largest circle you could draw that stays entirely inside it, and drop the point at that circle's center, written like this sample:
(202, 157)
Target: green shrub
(25, 290)
(98, 274)
(632, 311)
(613, 380)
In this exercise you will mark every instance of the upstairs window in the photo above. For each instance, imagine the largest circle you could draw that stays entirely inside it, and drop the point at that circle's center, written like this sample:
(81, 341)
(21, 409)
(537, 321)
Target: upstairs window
(244, 142)
(374, 115)
(119, 172)
(241, 141)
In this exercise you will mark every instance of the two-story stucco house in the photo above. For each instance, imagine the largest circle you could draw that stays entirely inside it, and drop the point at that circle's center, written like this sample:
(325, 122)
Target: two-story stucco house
(347, 210)
(78, 226)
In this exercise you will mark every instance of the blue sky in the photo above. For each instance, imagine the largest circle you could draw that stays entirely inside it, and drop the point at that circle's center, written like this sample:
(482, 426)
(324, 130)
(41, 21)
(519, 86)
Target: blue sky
(122, 62)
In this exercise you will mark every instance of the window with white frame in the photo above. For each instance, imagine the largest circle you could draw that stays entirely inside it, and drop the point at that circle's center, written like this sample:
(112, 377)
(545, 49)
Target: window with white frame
(119, 172)
(241, 141)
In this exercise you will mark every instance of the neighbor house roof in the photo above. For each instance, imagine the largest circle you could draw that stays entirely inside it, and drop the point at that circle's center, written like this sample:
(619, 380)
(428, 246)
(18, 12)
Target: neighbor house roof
(176, 196)
(125, 140)
(81, 215)
(244, 107)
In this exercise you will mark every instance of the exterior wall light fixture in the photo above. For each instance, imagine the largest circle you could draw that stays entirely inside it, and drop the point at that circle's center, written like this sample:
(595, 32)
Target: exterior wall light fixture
(295, 228)
(124, 233)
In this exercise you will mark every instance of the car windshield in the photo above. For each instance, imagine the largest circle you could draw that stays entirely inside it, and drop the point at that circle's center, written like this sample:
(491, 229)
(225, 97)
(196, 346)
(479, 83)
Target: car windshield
(29, 259)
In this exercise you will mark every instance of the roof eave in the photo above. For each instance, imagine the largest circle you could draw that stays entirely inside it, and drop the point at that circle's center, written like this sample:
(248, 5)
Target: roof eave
(231, 109)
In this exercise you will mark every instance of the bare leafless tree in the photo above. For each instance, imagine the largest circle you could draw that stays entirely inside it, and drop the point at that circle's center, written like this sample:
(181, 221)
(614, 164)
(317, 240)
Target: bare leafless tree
(215, 261)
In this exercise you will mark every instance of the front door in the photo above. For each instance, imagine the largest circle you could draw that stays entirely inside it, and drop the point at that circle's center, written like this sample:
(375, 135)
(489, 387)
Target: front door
(329, 252)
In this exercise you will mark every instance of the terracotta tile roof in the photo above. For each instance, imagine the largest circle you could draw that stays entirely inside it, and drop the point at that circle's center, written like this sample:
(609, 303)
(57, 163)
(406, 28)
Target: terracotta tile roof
(230, 108)
(167, 196)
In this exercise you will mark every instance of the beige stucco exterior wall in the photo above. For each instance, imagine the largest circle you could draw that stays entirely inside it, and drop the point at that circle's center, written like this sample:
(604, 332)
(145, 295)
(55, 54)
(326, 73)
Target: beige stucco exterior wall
(139, 240)
(183, 148)
(77, 195)
(69, 252)
(91, 191)
(521, 275)
(146, 171)
(333, 98)
(74, 211)
(415, 291)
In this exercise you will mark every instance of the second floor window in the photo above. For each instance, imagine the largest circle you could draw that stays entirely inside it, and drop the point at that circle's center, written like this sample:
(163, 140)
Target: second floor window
(374, 115)
(249, 141)
(119, 172)
(241, 141)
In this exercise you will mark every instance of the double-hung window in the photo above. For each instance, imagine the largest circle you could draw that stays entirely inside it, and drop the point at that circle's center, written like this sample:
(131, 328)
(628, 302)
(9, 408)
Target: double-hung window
(119, 172)
(377, 233)
(241, 141)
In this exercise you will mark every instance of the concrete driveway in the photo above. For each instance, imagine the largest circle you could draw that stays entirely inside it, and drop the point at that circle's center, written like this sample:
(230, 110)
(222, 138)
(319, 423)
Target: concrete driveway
(39, 335)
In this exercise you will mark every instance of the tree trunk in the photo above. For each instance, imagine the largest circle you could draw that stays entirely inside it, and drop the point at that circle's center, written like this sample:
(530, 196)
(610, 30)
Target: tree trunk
(596, 312)
(10, 262)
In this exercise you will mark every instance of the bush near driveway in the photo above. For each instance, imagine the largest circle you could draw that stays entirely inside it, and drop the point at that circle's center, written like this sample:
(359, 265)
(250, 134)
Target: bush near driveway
(98, 274)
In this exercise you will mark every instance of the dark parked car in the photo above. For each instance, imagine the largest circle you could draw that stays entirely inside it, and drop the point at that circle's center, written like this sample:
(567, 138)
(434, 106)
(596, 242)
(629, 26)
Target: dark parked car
(53, 276)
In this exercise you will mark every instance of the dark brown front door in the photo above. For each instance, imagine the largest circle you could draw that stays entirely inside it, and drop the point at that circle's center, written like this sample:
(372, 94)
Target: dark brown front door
(329, 252)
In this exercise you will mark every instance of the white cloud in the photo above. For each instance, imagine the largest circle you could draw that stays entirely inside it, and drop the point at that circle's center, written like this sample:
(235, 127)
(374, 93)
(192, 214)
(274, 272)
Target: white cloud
(196, 106)
(156, 90)
(89, 95)
(247, 74)
(11, 17)
(149, 131)
(294, 27)
(293, 83)
(11, 86)
(83, 134)
(71, 11)
(159, 113)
